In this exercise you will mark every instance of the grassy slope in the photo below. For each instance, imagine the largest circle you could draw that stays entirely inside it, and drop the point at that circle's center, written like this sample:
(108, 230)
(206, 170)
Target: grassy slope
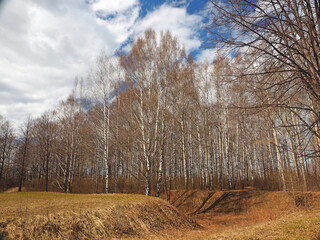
(223, 215)
(79, 216)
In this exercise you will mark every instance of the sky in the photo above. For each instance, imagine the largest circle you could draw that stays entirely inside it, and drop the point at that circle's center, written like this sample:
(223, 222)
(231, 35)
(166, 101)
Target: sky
(45, 44)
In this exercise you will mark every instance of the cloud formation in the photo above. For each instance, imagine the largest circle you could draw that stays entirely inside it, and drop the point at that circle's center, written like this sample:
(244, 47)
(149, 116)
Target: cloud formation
(45, 44)
(113, 7)
(207, 55)
(176, 20)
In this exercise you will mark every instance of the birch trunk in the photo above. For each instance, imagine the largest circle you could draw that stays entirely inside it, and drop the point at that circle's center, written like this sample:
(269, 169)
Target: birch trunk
(184, 158)
(279, 159)
(300, 149)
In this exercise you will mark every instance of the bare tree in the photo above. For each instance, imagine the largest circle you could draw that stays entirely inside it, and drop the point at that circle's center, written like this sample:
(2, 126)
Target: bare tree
(6, 142)
(44, 134)
(101, 80)
(24, 151)
(286, 32)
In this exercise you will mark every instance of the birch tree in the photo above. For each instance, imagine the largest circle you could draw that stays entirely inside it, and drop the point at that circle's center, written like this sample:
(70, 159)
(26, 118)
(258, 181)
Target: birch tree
(100, 83)
(44, 134)
(24, 151)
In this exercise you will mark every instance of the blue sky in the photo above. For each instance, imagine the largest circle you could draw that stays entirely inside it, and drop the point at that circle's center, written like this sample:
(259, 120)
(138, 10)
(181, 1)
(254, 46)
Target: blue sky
(193, 6)
(45, 44)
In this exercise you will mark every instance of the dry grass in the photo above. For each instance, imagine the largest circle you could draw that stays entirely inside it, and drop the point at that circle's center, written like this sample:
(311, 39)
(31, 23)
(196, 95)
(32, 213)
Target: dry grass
(15, 189)
(223, 215)
(298, 225)
(78, 216)
(39, 203)
(301, 225)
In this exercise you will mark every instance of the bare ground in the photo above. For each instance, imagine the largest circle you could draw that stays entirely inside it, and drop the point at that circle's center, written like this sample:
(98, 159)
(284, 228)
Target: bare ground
(250, 214)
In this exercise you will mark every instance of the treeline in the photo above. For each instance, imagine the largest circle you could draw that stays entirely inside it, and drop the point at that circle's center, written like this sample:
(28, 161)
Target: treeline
(154, 120)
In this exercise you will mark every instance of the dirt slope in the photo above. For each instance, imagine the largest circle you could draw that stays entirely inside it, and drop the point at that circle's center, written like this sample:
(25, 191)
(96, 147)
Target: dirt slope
(250, 214)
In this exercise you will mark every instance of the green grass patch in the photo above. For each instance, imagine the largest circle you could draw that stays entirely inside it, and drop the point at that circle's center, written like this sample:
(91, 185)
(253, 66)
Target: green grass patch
(298, 224)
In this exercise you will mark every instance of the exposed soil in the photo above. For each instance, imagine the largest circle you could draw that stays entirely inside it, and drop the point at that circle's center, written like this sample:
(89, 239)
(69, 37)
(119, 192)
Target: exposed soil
(224, 212)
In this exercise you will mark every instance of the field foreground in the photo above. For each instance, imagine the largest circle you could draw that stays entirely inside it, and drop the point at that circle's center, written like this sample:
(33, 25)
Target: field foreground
(78, 216)
(194, 215)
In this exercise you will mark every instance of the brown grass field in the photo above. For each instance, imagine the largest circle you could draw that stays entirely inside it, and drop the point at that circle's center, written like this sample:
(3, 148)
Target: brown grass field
(196, 215)
(37, 215)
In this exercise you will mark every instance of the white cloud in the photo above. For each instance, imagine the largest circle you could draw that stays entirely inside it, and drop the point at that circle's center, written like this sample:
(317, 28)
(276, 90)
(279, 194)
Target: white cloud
(113, 7)
(44, 44)
(207, 55)
(120, 25)
(176, 20)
